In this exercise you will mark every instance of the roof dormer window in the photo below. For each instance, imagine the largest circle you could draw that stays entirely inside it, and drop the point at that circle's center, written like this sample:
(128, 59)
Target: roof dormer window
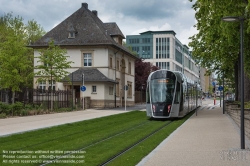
(71, 35)
(72, 31)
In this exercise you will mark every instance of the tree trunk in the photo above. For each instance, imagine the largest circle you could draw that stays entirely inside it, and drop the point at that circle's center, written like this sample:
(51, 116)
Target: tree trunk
(13, 97)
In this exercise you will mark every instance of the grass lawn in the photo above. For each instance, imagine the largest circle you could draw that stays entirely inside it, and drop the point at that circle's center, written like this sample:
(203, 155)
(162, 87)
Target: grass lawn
(85, 139)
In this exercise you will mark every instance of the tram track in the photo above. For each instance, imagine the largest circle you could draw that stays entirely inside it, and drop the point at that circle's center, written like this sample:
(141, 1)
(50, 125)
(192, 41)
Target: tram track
(107, 145)
(133, 145)
(61, 134)
(59, 131)
(95, 143)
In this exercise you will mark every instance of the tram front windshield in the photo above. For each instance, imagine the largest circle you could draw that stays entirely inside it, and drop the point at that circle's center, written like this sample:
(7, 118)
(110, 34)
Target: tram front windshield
(162, 90)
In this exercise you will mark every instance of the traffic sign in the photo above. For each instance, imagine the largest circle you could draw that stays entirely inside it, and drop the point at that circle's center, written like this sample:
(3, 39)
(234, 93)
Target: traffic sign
(213, 83)
(83, 88)
(220, 88)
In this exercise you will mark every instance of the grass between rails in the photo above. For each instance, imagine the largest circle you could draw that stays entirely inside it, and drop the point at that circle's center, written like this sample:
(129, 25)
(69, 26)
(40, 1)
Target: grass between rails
(70, 136)
(135, 155)
(78, 135)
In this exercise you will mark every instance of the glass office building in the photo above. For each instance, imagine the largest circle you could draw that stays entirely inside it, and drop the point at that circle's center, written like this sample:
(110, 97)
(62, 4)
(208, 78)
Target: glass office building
(164, 50)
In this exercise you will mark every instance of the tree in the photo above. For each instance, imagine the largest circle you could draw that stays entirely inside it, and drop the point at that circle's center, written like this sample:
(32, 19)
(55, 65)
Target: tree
(13, 59)
(33, 32)
(52, 65)
(16, 59)
(142, 71)
(217, 44)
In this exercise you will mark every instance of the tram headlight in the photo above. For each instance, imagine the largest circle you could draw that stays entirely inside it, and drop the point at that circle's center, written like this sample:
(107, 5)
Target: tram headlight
(153, 107)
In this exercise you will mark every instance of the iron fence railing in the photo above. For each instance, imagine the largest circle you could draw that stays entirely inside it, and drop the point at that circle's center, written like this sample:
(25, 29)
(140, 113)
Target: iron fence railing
(60, 98)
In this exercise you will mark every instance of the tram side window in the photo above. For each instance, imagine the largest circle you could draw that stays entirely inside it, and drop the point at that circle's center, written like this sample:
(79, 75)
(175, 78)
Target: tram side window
(177, 94)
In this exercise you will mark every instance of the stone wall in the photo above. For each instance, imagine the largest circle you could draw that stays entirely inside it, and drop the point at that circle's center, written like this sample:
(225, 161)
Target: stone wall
(234, 111)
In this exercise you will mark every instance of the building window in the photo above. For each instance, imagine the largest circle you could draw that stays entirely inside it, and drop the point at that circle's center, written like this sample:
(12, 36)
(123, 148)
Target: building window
(163, 65)
(46, 61)
(42, 86)
(178, 68)
(71, 35)
(118, 87)
(111, 90)
(129, 93)
(110, 62)
(87, 59)
(118, 65)
(133, 41)
(53, 85)
(136, 49)
(145, 40)
(129, 68)
(178, 56)
(168, 66)
(93, 89)
(145, 52)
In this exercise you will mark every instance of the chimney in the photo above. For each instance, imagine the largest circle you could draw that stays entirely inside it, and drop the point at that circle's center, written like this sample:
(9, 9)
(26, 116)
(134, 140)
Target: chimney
(94, 12)
(85, 5)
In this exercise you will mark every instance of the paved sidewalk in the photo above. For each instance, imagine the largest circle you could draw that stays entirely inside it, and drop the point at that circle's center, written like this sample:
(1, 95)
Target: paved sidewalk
(209, 139)
(21, 124)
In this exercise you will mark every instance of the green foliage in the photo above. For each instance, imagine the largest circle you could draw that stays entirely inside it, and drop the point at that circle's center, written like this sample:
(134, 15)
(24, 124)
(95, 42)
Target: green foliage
(216, 46)
(2, 115)
(5, 108)
(52, 63)
(18, 106)
(16, 60)
(28, 107)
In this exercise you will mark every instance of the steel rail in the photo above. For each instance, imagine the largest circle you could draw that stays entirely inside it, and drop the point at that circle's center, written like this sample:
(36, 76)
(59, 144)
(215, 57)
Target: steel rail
(133, 145)
(105, 139)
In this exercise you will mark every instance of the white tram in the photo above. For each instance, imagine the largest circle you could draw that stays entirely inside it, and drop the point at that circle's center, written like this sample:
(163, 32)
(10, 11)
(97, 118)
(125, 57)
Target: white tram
(170, 94)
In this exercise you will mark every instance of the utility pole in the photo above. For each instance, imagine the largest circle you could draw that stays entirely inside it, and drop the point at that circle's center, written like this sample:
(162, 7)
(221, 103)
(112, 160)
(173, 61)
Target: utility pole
(83, 92)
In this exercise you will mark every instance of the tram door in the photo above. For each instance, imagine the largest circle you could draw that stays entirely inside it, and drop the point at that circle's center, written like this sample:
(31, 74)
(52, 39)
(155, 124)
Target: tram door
(177, 100)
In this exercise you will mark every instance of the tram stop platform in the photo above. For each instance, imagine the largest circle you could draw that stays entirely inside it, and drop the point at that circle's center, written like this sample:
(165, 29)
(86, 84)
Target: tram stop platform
(209, 139)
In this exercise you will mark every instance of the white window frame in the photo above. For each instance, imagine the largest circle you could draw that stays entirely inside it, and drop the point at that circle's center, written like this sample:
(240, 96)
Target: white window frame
(87, 56)
(42, 86)
(94, 89)
(53, 85)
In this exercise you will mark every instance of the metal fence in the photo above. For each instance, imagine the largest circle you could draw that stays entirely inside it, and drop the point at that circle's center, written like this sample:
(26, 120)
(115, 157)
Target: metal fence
(60, 98)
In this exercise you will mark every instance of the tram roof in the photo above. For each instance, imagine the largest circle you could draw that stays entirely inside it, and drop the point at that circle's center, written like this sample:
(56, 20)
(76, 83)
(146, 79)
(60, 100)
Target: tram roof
(179, 75)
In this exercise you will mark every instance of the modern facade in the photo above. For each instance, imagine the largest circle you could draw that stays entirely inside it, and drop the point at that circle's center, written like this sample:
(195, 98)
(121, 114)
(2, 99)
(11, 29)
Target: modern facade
(164, 50)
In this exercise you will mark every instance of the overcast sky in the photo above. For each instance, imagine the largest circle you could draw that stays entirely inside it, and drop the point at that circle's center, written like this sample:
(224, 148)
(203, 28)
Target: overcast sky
(132, 16)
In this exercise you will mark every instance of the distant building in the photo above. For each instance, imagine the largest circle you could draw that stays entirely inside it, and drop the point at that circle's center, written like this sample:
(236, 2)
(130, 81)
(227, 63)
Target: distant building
(97, 52)
(164, 50)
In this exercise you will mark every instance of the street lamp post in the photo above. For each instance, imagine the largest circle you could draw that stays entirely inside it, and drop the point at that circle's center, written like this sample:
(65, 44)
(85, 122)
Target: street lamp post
(242, 128)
